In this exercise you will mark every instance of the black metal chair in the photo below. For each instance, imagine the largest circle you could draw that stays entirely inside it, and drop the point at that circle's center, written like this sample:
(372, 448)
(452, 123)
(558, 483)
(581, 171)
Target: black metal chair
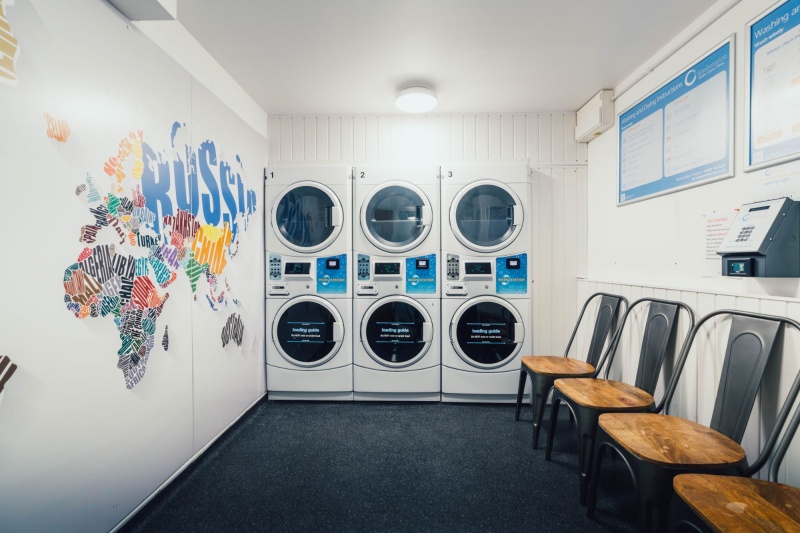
(709, 503)
(657, 447)
(588, 398)
(545, 369)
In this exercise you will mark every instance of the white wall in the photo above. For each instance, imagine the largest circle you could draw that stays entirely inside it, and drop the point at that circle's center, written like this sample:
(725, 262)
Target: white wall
(78, 449)
(657, 246)
(545, 140)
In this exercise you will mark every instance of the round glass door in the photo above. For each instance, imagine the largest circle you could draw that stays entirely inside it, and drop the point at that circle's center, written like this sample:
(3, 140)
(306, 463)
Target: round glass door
(486, 216)
(396, 217)
(307, 217)
(396, 331)
(308, 331)
(487, 332)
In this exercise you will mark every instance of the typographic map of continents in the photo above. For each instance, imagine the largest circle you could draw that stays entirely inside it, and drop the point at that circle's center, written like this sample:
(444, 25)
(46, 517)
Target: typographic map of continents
(174, 214)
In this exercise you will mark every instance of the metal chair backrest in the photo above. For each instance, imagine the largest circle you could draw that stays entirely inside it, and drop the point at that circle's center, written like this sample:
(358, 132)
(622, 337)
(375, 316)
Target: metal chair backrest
(604, 326)
(780, 451)
(658, 339)
(752, 340)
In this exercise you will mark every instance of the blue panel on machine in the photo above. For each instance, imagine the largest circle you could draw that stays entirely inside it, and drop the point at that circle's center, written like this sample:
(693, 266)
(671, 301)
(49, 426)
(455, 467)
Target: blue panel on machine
(512, 274)
(421, 274)
(332, 274)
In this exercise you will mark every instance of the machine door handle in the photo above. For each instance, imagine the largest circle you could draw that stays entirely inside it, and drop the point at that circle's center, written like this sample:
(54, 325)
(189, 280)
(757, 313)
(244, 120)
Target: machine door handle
(336, 215)
(515, 214)
(425, 215)
(337, 335)
(519, 333)
(427, 332)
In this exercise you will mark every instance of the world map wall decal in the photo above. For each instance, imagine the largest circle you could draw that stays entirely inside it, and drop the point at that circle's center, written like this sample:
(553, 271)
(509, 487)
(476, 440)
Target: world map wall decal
(163, 229)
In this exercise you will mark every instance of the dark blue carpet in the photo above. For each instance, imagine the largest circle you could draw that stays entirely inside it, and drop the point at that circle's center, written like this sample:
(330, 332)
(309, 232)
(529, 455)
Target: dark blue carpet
(301, 466)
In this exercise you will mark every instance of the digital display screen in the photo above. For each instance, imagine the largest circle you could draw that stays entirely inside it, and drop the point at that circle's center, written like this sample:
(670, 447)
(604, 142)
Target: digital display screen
(397, 332)
(332, 264)
(740, 268)
(387, 268)
(512, 263)
(762, 208)
(297, 268)
(477, 268)
(423, 264)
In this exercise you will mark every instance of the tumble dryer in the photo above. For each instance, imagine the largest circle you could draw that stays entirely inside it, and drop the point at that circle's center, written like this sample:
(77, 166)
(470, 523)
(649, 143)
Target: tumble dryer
(486, 322)
(396, 302)
(309, 286)
(484, 209)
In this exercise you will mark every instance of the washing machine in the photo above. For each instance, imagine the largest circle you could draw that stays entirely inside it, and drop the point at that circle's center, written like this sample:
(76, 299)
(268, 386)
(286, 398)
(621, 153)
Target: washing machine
(397, 354)
(309, 327)
(309, 296)
(486, 323)
(398, 210)
(485, 209)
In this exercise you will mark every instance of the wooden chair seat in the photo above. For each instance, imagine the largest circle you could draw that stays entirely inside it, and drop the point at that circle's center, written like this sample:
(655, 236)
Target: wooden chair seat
(604, 394)
(740, 504)
(552, 365)
(671, 441)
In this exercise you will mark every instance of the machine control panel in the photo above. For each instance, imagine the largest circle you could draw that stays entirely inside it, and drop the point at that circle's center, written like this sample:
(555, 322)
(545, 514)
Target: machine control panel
(278, 289)
(384, 275)
(287, 275)
(274, 267)
(763, 241)
(505, 275)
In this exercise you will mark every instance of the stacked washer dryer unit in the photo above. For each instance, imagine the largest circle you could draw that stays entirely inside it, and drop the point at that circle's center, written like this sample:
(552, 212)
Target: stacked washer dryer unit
(486, 305)
(396, 304)
(309, 296)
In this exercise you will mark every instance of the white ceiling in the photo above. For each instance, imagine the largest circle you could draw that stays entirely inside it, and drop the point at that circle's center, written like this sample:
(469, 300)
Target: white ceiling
(306, 57)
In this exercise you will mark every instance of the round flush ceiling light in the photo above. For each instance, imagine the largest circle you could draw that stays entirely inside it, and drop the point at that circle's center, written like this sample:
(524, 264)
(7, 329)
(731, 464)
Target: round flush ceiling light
(416, 100)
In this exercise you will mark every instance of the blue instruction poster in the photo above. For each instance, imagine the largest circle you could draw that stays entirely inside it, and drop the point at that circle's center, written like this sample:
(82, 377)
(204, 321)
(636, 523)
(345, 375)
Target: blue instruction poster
(774, 86)
(680, 135)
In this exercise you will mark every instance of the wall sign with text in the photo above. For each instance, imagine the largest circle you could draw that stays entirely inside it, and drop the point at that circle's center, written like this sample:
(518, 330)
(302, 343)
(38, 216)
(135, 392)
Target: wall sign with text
(680, 135)
(774, 86)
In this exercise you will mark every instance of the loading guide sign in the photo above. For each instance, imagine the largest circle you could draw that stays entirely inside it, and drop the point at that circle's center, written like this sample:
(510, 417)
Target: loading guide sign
(680, 135)
(308, 332)
(397, 332)
(487, 333)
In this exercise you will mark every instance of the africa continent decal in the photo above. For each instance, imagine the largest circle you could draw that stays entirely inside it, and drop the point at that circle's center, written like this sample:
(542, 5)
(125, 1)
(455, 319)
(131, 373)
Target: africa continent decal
(162, 228)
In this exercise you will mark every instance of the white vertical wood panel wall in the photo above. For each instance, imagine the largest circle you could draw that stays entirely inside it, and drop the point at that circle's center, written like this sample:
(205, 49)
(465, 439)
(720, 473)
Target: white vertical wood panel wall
(697, 388)
(544, 140)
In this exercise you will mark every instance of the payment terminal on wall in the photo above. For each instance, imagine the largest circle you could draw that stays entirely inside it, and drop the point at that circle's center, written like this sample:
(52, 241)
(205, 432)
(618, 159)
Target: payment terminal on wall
(763, 241)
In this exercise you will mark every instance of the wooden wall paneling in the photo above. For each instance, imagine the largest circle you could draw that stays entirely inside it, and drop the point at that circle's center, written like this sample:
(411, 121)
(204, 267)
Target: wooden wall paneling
(545, 139)
(335, 138)
(444, 133)
(532, 138)
(395, 137)
(286, 138)
(298, 139)
(557, 138)
(274, 125)
(582, 222)
(347, 139)
(557, 252)
(581, 342)
(494, 137)
(384, 143)
(371, 138)
(482, 137)
(507, 137)
(569, 247)
(431, 138)
(706, 364)
(570, 144)
(457, 138)
(545, 275)
(470, 139)
(322, 139)
(520, 142)
(309, 138)
(359, 138)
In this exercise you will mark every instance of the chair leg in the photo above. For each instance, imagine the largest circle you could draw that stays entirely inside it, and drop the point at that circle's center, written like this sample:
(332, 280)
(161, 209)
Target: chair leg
(591, 495)
(682, 519)
(523, 375)
(587, 427)
(540, 388)
(553, 419)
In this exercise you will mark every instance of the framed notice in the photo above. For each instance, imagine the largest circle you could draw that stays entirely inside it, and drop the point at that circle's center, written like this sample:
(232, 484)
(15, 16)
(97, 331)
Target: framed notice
(680, 135)
(773, 98)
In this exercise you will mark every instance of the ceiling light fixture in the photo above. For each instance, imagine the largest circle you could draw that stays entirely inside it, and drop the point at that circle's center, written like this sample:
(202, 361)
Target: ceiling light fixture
(416, 100)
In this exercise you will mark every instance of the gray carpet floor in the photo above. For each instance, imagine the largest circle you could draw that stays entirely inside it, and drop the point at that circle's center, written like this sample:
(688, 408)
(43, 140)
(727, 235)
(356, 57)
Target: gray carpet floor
(304, 466)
